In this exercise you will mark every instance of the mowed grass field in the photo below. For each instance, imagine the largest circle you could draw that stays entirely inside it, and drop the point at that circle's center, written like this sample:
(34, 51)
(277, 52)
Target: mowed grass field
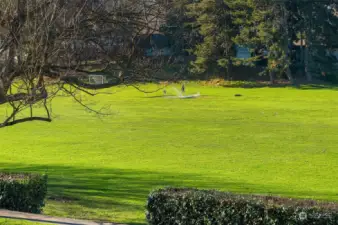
(18, 222)
(278, 141)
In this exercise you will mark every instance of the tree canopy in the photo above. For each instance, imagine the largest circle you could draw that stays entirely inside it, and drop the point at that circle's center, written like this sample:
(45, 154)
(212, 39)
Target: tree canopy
(50, 46)
(270, 29)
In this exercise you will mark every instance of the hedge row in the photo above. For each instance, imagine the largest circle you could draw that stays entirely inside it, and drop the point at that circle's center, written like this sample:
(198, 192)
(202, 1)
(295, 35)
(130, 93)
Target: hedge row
(23, 192)
(197, 207)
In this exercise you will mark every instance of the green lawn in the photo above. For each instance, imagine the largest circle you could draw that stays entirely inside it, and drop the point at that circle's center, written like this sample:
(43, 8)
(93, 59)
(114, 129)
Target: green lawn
(18, 222)
(279, 141)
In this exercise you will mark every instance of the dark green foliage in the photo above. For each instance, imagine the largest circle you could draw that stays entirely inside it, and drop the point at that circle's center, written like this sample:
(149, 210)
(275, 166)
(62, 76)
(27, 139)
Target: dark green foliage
(179, 28)
(23, 192)
(320, 28)
(195, 207)
(215, 23)
(294, 38)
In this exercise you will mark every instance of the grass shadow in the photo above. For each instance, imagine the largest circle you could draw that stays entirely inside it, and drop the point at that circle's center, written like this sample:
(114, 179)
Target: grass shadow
(102, 190)
(107, 189)
(318, 87)
(301, 85)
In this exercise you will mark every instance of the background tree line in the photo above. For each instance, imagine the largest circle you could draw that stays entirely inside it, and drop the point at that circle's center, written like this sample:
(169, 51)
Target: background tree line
(210, 30)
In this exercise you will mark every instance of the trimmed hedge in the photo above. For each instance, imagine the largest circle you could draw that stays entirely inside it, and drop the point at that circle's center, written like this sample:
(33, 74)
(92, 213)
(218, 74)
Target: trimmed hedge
(23, 192)
(198, 207)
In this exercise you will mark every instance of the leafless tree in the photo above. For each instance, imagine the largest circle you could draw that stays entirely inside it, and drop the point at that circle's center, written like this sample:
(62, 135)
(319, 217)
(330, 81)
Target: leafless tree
(49, 46)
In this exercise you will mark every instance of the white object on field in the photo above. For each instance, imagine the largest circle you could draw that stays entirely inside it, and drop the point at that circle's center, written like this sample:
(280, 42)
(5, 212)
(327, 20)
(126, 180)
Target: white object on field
(180, 94)
(191, 96)
(97, 79)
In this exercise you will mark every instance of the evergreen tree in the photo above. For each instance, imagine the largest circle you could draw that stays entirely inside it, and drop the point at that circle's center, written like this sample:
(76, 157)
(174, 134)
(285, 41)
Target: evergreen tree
(179, 28)
(269, 28)
(277, 25)
(266, 29)
(215, 23)
(320, 23)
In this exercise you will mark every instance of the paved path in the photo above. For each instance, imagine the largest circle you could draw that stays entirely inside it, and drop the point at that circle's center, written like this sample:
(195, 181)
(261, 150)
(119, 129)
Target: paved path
(47, 219)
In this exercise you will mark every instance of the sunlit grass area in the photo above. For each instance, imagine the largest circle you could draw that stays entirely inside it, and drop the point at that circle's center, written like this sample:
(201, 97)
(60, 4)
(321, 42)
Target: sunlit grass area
(18, 222)
(279, 141)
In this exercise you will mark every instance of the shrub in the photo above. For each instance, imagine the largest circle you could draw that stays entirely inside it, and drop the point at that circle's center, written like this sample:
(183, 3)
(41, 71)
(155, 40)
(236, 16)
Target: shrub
(197, 207)
(23, 192)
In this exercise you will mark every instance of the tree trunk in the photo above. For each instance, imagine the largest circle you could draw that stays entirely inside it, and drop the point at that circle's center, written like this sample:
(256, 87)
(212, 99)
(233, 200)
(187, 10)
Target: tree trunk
(229, 69)
(2, 93)
(10, 63)
(289, 75)
(272, 77)
(287, 60)
(307, 58)
(306, 65)
(302, 55)
(287, 47)
(302, 50)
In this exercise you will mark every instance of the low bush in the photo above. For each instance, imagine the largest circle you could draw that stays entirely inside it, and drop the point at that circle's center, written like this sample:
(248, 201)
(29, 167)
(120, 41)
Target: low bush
(23, 192)
(198, 207)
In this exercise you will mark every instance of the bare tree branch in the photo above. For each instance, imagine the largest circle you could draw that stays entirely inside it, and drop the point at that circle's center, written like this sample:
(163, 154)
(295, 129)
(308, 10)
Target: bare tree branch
(28, 119)
(46, 45)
